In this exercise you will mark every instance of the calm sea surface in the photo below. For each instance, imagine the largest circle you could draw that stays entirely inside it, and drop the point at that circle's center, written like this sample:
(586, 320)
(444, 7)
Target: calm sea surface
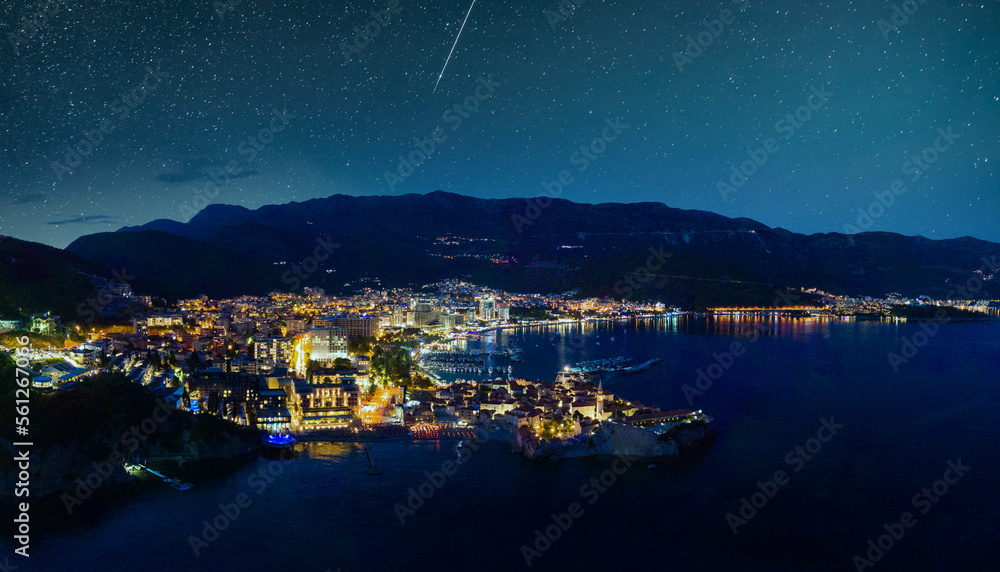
(900, 430)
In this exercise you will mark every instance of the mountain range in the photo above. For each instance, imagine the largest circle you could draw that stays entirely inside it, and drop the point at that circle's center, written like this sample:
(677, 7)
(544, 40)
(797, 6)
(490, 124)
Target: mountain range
(637, 250)
(36, 278)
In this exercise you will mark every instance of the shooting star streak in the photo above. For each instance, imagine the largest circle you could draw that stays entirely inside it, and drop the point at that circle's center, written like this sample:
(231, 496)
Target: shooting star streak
(453, 46)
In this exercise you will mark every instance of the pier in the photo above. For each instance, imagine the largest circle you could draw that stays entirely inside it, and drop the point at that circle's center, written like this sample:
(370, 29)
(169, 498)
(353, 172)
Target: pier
(175, 483)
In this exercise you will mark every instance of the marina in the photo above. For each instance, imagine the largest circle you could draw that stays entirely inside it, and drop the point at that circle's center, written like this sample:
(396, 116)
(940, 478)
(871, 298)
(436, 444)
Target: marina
(472, 361)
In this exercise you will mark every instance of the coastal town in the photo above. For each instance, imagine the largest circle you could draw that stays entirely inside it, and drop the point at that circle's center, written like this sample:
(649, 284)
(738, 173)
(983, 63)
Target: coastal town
(377, 363)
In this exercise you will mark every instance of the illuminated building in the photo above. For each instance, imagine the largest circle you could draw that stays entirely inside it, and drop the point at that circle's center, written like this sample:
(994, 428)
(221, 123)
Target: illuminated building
(44, 324)
(487, 308)
(328, 344)
(229, 388)
(164, 321)
(272, 350)
(328, 405)
(356, 326)
(294, 326)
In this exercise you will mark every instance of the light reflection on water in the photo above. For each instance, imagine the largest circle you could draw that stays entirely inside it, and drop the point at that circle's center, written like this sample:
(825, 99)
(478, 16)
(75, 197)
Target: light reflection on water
(323, 511)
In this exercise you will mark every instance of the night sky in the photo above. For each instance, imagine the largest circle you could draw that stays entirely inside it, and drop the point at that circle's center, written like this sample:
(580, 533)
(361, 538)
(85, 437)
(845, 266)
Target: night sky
(216, 74)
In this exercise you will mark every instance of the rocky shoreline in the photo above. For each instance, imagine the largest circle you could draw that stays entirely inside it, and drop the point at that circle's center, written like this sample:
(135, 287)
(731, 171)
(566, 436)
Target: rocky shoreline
(619, 440)
(61, 470)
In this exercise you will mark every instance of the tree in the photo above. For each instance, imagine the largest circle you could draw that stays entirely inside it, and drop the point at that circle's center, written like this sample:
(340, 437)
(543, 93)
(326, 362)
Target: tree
(547, 430)
(251, 415)
(193, 361)
(421, 382)
(565, 424)
(557, 426)
(361, 345)
(213, 402)
(342, 364)
(239, 411)
(392, 365)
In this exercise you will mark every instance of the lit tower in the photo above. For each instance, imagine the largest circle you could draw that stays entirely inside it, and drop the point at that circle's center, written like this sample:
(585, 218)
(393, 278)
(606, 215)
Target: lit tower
(600, 400)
